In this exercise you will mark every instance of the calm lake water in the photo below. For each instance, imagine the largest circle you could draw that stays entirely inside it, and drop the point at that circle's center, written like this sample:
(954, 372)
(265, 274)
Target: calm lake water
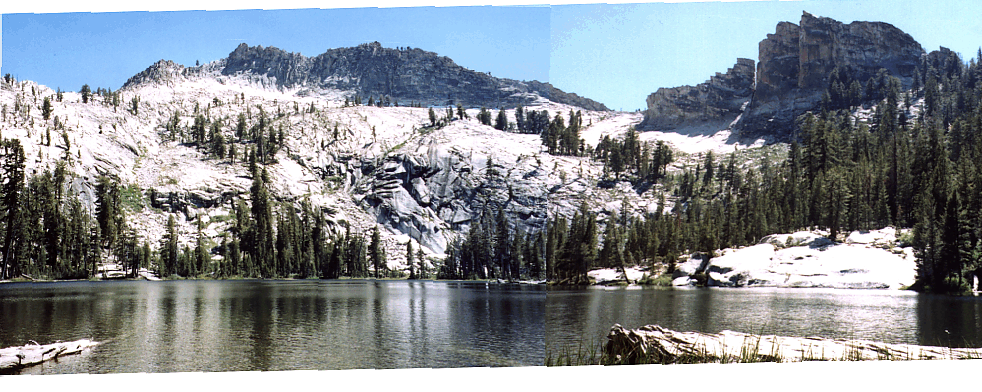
(586, 315)
(180, 326)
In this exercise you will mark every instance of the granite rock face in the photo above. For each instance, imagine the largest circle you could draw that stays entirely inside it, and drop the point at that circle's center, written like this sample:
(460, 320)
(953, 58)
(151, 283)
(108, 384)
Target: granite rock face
(554, 94)
(404, 75)
(795, 63)
(792, 74)
(431, 196)
(721, 98)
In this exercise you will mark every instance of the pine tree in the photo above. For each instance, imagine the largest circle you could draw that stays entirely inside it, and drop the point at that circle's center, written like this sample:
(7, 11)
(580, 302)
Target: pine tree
(709, 165)
(422, 272)
(409, 259)
(520, 119)
(501, 123)
(202, 258)
(490, 173)
(108, 212)
(46, 109)
(503, 253)
(86, 92)
(13, 173)
(375, 253)
(262, 215)
(169, 249)
(484, 116)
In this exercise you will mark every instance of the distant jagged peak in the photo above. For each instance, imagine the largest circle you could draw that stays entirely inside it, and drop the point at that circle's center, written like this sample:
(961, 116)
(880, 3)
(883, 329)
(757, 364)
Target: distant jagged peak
(403, 74)
(244, 51)
(162, 71)
(169, 73)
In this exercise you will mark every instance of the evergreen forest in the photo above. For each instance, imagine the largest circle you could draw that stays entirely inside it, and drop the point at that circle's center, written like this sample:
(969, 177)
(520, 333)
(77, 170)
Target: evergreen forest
(877, 154)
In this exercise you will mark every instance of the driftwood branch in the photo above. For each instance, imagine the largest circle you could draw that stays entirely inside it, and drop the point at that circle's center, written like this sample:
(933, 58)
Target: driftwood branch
(654, 344)
(14, 358)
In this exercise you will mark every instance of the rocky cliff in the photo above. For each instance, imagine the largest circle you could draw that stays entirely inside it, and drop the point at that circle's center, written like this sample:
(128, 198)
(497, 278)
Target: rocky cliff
(403, 75)
(792, 73)
(720, 99)
(795, 63)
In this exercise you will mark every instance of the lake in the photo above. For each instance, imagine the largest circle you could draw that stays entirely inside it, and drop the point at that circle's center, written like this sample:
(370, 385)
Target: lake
(586, 315)
(189, 326)
(250, 325)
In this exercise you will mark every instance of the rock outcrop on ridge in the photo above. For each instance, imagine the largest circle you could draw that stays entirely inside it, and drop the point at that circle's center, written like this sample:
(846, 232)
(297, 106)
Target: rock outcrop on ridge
(721, 98)
(795, 63)
(404, 75)
(792, 73)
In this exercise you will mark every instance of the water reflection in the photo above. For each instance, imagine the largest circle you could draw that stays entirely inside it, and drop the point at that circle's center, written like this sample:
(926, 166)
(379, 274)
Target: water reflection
(586, 315)
(265, 325)
(286, 325)
(947, 321)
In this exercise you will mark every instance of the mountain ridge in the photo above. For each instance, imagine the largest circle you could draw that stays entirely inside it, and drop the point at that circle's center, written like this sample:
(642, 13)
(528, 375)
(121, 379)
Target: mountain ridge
(403, 75)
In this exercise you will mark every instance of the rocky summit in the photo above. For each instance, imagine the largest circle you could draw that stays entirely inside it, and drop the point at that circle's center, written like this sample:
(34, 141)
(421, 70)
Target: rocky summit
(793, 73)
(401, 75)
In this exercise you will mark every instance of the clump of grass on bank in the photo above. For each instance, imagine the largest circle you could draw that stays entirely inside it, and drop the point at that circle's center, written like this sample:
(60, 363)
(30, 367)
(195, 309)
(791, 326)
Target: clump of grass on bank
(663, 280)
(591, 354)
(750, 352)
(597, 355)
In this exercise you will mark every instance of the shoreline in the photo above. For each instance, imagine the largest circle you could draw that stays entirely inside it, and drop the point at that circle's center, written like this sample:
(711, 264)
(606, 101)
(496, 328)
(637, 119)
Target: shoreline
(490, 281)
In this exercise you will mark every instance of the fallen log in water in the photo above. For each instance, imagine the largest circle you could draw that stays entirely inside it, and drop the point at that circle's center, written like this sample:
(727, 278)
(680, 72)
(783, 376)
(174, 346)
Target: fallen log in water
(14, 358)
(653, 344)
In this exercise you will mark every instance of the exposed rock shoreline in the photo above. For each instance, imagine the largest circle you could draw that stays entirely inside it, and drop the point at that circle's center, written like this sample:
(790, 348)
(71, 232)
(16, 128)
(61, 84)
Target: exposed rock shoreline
(807, 259)
(864, 260)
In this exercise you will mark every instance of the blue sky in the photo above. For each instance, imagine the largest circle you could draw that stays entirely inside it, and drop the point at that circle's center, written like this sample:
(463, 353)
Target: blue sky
(104, 49)
(614, 53)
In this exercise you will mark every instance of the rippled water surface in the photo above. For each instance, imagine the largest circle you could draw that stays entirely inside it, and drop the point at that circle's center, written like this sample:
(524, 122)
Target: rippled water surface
(190, 326)
(585, 315)
(181, 326)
